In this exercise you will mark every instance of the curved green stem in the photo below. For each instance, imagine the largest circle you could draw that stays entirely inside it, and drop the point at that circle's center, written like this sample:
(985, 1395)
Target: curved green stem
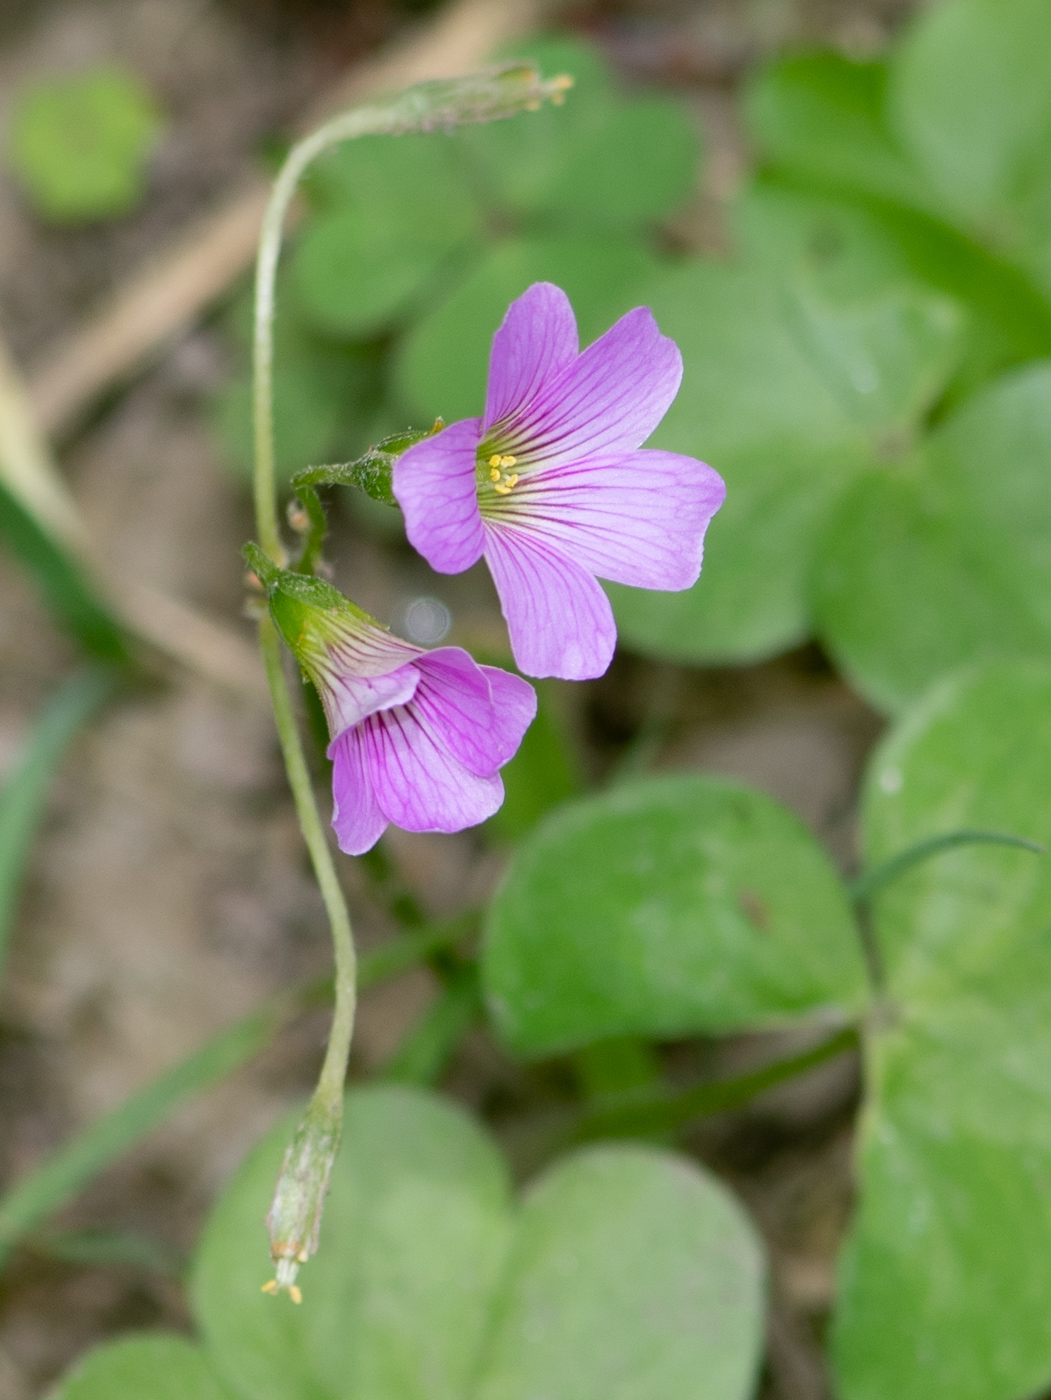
(872, 881)
(295, 1215)
(333, 1071)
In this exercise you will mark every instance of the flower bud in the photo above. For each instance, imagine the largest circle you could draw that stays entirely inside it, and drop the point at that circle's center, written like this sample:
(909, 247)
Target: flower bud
(294, 1219)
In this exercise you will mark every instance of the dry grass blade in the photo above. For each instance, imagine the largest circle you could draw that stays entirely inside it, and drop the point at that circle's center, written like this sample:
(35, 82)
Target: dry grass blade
(29, 474)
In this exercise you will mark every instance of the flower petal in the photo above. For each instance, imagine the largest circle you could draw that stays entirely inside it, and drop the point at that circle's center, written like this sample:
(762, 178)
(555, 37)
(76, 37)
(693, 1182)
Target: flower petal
(514, 709)
(537, 339)
(638, 519)
(560, 621)
(456, 700)
(418, 782)
(349, 699)
(356, 816)
(609, 400)
(434, 484)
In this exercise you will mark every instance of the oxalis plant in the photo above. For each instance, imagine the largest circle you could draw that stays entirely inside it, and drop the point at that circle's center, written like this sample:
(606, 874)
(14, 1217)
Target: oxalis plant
(654, 910)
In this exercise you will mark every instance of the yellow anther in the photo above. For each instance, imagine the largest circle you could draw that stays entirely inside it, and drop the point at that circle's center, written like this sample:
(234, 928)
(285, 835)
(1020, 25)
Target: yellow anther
(295, 1293)
(559, 86)
(495, 459)
(503, 488)
(508, 461)
(270, 1287)
(512, 480)
(494, 473)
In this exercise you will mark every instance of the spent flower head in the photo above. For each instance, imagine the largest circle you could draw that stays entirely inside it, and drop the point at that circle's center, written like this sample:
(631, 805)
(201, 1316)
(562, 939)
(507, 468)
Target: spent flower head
(553, 486)
(418, 737)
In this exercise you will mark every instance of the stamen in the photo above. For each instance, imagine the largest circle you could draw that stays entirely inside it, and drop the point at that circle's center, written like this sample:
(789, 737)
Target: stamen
(503, 481)
(286, 1270)
(561, 85)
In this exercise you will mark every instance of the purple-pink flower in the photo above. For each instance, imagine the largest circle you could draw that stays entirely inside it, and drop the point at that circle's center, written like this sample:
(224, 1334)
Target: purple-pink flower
(418, 737)
(554, 487)
(420, 745)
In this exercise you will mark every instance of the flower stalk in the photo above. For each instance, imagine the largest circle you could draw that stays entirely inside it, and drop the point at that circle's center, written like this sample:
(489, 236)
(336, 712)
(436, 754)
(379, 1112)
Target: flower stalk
(295, 1216)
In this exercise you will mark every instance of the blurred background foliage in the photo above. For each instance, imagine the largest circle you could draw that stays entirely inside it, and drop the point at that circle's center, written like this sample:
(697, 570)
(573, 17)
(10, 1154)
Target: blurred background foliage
(868, 363)
(79, 144)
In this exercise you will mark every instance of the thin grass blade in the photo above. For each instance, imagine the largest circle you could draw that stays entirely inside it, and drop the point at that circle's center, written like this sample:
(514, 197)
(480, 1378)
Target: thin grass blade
(24, 794)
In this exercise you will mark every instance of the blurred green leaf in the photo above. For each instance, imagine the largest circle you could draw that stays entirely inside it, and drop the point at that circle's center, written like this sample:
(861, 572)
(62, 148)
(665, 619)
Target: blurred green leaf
(394, 213)
(396, 1300)
(946, 1272)
(865, 247)
(520, 161)
(753, 405)
(148, 1366)
(442, 364)
(79, 143)
(326, 400)
(599, 161)
(667, 907)
(971, 103)
(356, 276)
(542, 774)
(641, 166)
(357, 270)
(925, 570)
(623, 1265)
(822, 116)
(389, 180)
(887, 356)
(26, 785)
(62, 582)
(632, 1273)
(956, 124)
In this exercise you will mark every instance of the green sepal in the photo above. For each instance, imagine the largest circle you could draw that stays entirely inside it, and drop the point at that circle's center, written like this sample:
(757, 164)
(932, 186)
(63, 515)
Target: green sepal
(316, 530)
(371, 472)
(309, 612)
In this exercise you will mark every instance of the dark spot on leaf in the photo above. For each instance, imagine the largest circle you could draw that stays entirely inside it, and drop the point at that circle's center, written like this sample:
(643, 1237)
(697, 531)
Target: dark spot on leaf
(754, 909)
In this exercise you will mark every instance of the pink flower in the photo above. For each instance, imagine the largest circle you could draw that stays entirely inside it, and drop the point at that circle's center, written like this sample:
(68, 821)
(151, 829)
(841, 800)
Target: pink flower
(554, 487)
(418, 737)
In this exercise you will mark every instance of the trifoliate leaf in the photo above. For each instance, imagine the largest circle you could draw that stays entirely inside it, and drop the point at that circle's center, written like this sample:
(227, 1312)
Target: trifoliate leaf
(943, 1282)
(79, 144)
(664, 908)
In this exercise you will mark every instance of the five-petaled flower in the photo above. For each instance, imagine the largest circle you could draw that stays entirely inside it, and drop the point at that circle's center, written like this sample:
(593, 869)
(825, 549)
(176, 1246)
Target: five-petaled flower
(553, 486)
(418, 737)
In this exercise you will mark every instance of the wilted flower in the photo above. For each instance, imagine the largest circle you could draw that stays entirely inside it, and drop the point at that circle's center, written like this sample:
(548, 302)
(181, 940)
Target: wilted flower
(553, 487)
(418, 737)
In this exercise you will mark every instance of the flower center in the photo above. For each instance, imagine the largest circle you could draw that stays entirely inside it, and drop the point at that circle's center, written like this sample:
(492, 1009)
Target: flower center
(504, 481)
